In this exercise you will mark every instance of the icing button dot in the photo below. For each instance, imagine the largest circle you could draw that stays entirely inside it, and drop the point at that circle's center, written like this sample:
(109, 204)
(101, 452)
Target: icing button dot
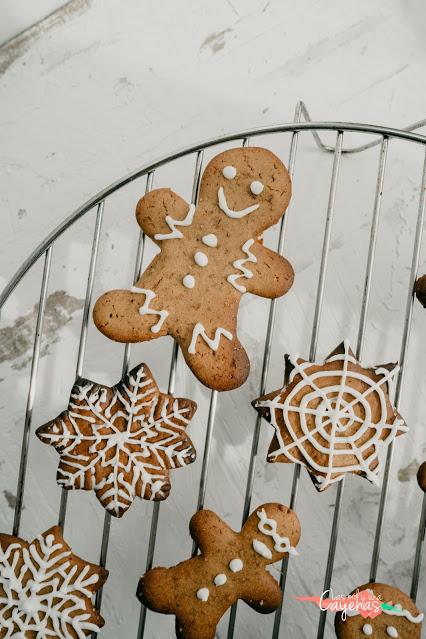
(201, 258)
(188, 281)
(220, 579)
(367, 629)
(203, 594)
(235, 565)
(229, 172)
(256, 187)
(392, 631)
(210, 240)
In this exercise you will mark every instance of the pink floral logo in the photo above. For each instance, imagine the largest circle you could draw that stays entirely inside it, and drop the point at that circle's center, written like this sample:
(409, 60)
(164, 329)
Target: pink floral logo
(364, 603)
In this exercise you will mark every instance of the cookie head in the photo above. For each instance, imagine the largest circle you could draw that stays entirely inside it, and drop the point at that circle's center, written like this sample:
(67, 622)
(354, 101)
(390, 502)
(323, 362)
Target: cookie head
(399, 618)
(248, 185)
(273, 530)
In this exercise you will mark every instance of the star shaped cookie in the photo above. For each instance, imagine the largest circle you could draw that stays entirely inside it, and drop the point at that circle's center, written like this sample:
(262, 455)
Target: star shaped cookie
(122, 441)
(333, 418)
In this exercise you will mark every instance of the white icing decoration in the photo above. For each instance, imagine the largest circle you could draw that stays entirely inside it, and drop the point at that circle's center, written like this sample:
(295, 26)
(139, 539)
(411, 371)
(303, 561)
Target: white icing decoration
(201, 258)
(236, 565)
(392, 631)
(189, 281)
(262, 549)
(203, 594)
(220, 579)
(397, 611)
(172, 224)
(268, 527)
(136, 459)
(45, 566)
(367, 629)
(146, 310)
(210, 240)
(332, 409)
(239, 264)
(199, 330)
(236, 215)
(256, 187)
(400, 612)
(229, 172)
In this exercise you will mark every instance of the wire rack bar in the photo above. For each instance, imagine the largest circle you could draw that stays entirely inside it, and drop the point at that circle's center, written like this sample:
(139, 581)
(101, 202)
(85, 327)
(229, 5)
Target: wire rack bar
(31, 393)
(402, 360)
(208, 441)
(314, 336)
(419, 551)
(265, 368)
(360, 343)
(172, 378)
(83, 330)
(354, 149)
(125, 366)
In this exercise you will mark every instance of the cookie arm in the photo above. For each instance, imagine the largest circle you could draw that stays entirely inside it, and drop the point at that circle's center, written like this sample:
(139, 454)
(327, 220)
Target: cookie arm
(273, 275)
(209, 531)
(160, 214)
(264, 595)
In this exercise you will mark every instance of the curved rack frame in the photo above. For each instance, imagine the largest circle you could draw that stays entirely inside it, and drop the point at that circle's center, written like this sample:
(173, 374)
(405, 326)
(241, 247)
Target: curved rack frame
(97, 203)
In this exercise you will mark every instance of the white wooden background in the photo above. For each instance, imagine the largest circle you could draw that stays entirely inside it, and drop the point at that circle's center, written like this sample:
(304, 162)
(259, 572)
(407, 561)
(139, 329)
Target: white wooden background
(104, 87)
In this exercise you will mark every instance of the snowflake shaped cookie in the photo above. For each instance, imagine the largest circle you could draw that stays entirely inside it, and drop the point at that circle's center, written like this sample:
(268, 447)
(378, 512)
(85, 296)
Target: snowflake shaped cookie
(45, 590)
(332, 418)
(210, 255)
(122, 441)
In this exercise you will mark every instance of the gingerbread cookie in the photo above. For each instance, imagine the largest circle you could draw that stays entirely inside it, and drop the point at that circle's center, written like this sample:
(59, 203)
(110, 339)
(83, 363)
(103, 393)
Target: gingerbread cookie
(399, 617)
(122, 441)
(210, 256)
(230, 566)
(421, 476)
(332, 418)
(46, 590)
(420, 290)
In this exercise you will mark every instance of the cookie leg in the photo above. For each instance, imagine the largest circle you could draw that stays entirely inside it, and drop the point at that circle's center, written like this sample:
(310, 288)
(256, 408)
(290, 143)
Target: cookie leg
(215, 356)
(203, 626)
(130, 316)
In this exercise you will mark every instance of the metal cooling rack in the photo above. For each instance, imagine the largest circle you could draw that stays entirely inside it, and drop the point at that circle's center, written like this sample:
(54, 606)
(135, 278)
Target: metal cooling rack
(44, 251)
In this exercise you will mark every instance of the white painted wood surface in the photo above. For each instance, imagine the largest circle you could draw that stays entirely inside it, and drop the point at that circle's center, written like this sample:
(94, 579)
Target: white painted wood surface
(106, 87)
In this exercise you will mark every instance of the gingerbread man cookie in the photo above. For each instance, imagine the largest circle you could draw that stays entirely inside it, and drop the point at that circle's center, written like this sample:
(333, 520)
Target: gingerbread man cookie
(333, 418)
(230, 566)
(211, 254)
(399, 617)
(122, 441)
(46, 590)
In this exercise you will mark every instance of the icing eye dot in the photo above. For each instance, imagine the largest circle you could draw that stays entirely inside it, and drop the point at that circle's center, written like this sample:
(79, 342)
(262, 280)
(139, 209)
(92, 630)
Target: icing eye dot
(256, 187)
(229, 172)
(188, 281)
(392, 631)
(203, 594)
(367, 629)
(201, 258)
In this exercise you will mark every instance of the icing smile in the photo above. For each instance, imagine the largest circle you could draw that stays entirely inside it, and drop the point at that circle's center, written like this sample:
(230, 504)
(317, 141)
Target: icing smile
(236, 215)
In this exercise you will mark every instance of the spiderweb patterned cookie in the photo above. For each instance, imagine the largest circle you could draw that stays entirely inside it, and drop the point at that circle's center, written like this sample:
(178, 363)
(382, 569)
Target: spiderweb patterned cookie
(333, 418)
